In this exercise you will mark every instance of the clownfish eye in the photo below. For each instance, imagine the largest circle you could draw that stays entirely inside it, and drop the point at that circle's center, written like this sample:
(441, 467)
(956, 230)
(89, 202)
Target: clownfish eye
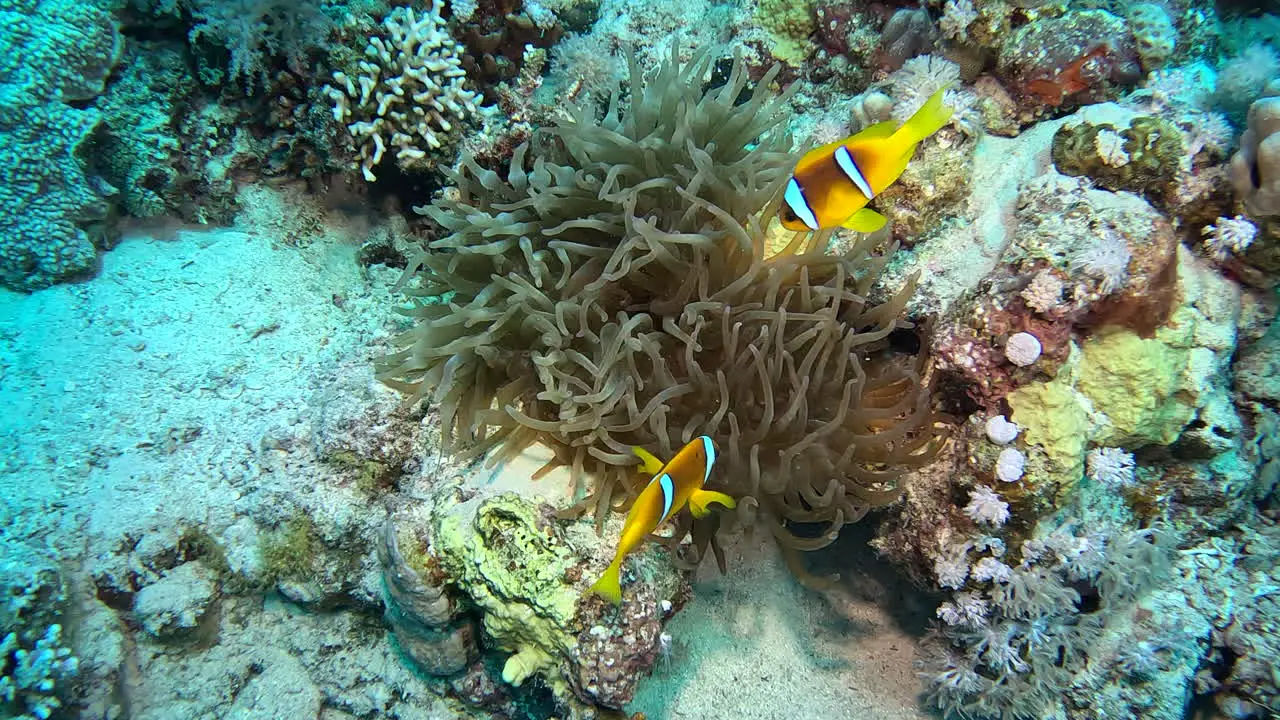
(788, 214)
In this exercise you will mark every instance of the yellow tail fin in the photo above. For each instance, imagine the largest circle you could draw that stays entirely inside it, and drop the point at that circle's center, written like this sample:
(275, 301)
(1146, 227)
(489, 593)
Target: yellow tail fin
(609, 586)
(926, 121)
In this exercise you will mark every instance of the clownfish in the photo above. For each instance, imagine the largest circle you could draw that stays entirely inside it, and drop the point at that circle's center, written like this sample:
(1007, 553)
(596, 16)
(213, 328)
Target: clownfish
(674, 483)
(832, 184)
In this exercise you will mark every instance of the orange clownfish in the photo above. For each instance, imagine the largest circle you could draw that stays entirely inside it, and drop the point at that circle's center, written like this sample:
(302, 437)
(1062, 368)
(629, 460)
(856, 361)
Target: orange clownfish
(832, 184)
(674, 484)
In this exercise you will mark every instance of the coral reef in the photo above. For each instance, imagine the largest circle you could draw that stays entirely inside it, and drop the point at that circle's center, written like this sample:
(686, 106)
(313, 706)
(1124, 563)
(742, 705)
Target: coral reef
(1047, 392)
(1023, 638)
(1143, 156)
(496, 39)
(908, 32)
(254, 32)
(37, 669)
(1154, 35)
(137, 149)
(790, 25)
(57, 57)
(648, 314)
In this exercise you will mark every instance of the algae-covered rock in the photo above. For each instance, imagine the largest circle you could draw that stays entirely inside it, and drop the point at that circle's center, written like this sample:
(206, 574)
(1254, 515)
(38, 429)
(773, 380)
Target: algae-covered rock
(1137, 382)
(515, 565)
(1258, 369)
(525, 572)
(934, 185)
(1140, 153)
(1053, 416)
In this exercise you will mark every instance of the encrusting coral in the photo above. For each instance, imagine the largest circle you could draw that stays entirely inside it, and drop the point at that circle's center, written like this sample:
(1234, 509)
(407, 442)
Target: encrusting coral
(614, 291)
(55, 59)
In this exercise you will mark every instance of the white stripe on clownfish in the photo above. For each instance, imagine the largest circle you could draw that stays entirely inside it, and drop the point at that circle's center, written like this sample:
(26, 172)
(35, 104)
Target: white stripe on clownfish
(710, 449)
(795, 200)
(850, 168)
(668, 494)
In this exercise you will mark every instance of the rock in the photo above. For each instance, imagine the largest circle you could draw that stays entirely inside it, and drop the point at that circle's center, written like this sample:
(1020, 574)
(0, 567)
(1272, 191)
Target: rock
(282, 690)
(526, 573)
(1121, 389)
(1258, 368)
(424, 615)
(178, 606)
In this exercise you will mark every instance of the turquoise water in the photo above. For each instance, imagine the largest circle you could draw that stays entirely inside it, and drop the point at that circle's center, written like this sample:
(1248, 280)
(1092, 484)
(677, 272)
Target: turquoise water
(344, 344)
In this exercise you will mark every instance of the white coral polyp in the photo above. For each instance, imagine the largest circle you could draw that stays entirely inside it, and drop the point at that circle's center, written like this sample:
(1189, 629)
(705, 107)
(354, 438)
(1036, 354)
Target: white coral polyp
(986, 508)
(1228, 235)
(409, 91)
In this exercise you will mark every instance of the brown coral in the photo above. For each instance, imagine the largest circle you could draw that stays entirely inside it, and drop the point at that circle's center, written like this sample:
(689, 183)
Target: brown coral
(613, 291)
(496, 39)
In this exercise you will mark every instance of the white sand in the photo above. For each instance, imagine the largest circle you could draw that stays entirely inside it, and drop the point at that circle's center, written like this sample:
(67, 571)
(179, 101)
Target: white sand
(756, 645)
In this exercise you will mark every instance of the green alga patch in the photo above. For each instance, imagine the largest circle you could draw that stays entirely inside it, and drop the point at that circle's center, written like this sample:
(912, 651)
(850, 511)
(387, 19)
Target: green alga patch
(371, 477)
(290, 552)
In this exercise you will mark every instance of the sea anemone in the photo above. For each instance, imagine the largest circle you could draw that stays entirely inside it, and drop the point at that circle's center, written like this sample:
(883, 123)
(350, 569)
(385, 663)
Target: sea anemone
(613, 291)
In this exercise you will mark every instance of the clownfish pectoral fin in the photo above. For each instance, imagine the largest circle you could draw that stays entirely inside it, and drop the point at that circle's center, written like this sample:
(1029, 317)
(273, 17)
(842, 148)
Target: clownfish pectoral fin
(648, 462)
(609, 586)
(700, 499)
(865, 220)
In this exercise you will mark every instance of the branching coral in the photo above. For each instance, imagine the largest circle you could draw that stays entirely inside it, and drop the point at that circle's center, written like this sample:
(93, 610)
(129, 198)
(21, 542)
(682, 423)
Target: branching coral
(408, 94)
(613, 291)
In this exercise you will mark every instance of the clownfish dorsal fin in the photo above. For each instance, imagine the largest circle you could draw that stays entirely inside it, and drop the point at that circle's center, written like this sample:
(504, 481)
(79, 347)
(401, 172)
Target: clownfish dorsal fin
(817, 155)
(879, 130)
(824, 152)
(648, 462)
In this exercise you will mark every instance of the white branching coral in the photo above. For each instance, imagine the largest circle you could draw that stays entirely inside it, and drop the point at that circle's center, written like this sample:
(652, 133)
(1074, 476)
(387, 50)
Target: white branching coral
(992, 570)
(408, 93)
(967, 609)
(1227, 236)
(952, 567)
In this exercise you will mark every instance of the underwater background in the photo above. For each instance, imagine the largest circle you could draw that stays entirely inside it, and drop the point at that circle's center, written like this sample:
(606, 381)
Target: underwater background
(337, 338)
